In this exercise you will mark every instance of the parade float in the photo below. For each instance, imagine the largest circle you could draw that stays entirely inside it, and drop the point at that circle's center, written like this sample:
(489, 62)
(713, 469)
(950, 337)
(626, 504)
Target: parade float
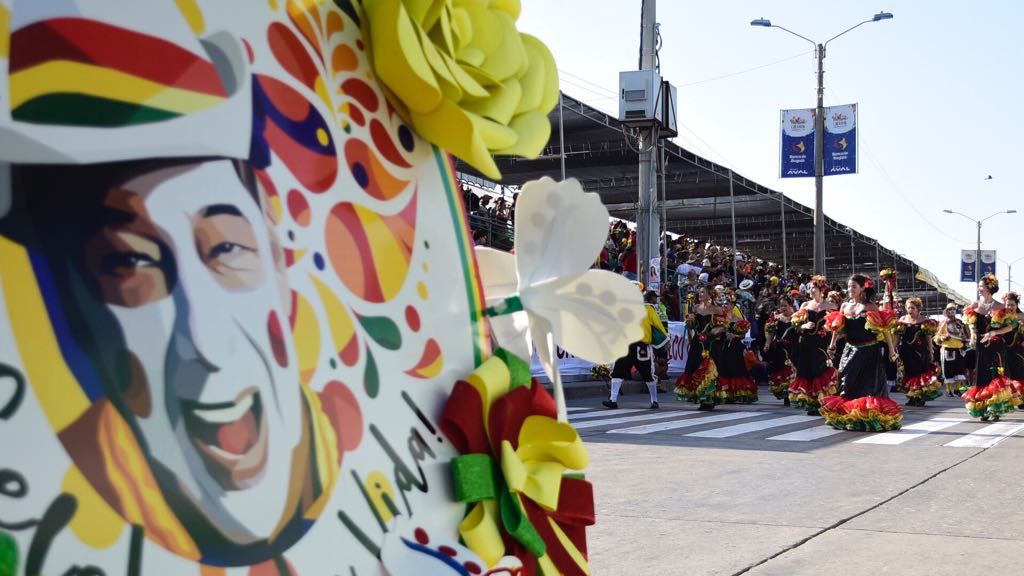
(243, 328)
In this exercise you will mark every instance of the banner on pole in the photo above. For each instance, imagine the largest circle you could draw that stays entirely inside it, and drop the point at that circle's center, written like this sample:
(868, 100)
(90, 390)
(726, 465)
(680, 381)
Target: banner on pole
(988, 262)
(841, 139)
(968, 266)
(796, 148)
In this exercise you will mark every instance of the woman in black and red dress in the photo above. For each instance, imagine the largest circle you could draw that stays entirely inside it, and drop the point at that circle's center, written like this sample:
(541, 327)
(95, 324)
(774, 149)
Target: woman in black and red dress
(1015, 347)
(699, 381)
(863, 402)
(920, 376)
(815, 375)
(992, 327)
(779, 350)
(734, 382)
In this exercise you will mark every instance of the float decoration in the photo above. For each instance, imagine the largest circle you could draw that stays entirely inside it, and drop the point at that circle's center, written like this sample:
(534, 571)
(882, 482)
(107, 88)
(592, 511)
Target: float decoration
(513, 470)
(221, 236)
(464, 77)
(546, 294)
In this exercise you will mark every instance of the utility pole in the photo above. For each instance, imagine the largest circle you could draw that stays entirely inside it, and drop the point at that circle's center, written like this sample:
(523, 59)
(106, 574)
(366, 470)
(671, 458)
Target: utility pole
(648, 226)
(819, 168)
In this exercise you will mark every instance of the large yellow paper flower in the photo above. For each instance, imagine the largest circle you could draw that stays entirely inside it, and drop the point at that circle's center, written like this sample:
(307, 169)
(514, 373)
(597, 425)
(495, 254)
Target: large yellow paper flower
(465, 78)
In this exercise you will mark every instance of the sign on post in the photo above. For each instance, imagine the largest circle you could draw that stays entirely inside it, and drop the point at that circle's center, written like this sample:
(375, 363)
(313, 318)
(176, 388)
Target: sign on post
(841, 139)
(969, 267)
(796, 148)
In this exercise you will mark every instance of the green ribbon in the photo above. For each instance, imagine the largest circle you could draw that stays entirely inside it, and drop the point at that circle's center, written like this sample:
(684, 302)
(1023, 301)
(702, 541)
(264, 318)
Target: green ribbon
(518, 369)
(509, 305)
(474, 478)
(8, 555)
(514, 519)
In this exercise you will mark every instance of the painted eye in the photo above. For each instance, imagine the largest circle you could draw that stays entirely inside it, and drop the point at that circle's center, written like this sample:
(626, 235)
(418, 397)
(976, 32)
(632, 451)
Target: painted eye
(225, 248)
(119, 263)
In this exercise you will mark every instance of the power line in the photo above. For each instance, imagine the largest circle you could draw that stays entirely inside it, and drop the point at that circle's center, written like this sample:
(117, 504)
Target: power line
(739, 72)
(893, 184)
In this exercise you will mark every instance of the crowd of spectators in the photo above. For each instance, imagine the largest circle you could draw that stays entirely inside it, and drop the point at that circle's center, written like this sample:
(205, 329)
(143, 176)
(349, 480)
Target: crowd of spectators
(753, 284)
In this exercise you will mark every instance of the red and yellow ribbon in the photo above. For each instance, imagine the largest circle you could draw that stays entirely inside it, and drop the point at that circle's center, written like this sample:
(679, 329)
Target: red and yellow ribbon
(513, 470)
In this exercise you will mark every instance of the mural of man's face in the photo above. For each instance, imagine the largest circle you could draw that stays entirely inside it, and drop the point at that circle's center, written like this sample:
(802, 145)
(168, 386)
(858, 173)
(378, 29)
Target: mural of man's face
(186, 265)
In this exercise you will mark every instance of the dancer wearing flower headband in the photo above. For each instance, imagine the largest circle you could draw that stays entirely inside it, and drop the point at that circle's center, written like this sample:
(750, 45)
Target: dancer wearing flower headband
(920, 377)
(815, 375)
(1015, 347)
(780, 350)
(992, 327)
(734, 381)
(952, 337)
(863, 402)
(699, 381)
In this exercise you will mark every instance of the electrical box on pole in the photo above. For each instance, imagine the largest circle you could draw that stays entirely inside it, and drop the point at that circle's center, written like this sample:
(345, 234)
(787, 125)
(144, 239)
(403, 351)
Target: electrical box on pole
(646, 101)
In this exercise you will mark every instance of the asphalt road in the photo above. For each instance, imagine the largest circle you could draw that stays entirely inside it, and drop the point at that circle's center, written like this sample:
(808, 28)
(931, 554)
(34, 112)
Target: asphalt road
(763, 489)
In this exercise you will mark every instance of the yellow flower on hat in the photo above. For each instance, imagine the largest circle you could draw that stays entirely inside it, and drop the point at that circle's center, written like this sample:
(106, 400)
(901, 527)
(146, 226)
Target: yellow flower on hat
(464, 77)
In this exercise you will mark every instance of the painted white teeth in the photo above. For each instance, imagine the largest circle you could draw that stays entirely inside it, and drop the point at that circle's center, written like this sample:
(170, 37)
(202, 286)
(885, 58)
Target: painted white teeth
(224, 415)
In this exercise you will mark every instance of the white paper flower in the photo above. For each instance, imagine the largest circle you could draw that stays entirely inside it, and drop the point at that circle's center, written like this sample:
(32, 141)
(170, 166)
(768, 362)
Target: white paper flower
(548, 286)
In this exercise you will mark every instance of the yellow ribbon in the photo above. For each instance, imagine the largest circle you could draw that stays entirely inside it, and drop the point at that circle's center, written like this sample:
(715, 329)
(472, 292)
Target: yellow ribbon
(546, 449)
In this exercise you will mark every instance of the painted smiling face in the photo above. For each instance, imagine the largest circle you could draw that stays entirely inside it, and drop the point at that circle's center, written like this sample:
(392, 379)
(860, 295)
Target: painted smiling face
(185, 266)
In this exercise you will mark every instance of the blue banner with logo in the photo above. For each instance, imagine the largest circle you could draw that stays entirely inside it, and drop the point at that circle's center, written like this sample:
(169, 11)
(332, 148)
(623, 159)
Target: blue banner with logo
(796, 149)
(841, 139)
(968, 265)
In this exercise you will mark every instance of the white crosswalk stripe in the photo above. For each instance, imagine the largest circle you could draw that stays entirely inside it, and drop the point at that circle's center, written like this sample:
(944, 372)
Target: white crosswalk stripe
(808, 434)
(653, 415)
(687, 423)
(911, 431)
(576, 409)
(747, 427)
(988, 436)
(721, 424)
(588, 415)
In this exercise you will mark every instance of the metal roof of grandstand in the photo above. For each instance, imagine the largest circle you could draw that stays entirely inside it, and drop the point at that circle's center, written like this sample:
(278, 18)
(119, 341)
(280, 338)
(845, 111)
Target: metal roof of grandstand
(696, 193)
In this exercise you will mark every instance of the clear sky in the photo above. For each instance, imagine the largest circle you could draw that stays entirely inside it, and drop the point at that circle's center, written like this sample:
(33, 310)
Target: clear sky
(939, 89)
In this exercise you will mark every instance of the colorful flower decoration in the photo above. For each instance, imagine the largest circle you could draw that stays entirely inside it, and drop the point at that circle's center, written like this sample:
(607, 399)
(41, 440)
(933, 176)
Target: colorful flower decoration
(465, 78)
(547, 287)
(882, 320)
(990, 282)
(835, 321)
(971, 314)
(741, 328)
(799, 318)
(512, 470)
(887, 274)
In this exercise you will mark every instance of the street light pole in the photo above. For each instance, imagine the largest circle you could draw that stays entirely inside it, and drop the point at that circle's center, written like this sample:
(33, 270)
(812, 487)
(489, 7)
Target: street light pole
(1009, 271)
(819, 133)
(819, 168)
(977, 250)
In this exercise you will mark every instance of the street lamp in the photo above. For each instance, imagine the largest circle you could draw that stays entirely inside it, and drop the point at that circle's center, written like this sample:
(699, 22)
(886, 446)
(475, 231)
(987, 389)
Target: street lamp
(852, 265)
(1009, 271)
(819, 131)
(977, 251)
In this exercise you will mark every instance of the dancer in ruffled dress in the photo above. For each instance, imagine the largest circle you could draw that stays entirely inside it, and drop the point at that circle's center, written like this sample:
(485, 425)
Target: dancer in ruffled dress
(920, 376)
(815, 375)
(705, 324)
(780, 350)
(863, 402)
(734, 382)
(992, 328)
(952, 339)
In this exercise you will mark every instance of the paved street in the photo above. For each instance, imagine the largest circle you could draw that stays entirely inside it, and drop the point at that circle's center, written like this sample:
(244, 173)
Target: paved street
(763, 489)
